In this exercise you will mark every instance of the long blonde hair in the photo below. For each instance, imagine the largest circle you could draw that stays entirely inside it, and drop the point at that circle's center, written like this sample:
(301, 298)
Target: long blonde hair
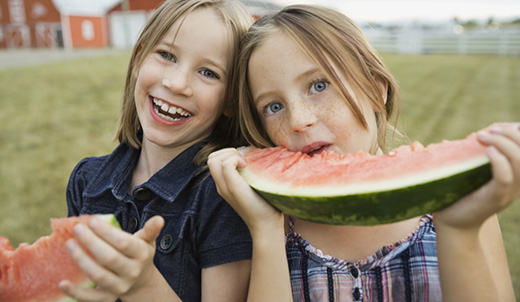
(237, 20)
(330, 39)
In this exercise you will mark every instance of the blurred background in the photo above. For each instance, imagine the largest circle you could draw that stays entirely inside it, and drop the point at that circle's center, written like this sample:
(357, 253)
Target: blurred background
(63, 64)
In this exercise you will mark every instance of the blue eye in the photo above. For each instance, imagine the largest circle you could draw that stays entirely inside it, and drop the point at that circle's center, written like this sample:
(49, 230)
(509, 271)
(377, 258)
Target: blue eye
(273, 108)
(167, 56)
(318, 86)
(209, 74)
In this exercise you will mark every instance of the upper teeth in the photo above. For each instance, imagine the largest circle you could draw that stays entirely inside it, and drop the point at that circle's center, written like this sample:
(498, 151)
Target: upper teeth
(170, 109)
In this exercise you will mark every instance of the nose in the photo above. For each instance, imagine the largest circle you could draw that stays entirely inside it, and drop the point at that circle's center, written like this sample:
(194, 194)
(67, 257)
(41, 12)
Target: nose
(177, 80)
(302, 117)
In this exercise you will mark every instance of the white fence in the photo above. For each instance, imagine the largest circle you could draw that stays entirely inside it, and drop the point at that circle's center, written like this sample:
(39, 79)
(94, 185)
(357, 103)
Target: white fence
(415, 41)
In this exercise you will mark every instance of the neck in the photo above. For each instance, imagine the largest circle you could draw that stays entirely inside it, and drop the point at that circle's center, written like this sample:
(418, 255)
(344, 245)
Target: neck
(353, 243)
(152, 159)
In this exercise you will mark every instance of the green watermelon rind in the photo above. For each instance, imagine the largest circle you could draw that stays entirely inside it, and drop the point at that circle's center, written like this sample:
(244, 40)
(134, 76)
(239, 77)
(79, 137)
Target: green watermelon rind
(110, 218)
(381, 207)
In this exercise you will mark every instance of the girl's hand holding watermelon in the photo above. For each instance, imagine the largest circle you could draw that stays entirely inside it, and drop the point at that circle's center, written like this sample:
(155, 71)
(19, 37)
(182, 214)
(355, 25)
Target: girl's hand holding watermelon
(256, 212)
(121, 264)
(265, 223)
(463, 238)
(504, 154)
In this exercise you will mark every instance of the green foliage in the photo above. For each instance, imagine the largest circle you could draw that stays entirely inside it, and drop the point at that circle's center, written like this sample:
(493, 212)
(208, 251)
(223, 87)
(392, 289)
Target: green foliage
(56, 114)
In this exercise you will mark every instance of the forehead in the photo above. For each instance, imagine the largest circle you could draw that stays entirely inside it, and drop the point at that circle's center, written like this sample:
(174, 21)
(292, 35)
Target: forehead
(276, 44)
(202, 28)
(204, 19)
(278, 58)
(279, 51)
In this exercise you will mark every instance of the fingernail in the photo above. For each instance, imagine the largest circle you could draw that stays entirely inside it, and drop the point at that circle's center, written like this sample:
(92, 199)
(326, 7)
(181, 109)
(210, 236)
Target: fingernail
(495, 130)
(483, 135)
(71, 245)
(79, 229)
(93, 223)
(492, 151)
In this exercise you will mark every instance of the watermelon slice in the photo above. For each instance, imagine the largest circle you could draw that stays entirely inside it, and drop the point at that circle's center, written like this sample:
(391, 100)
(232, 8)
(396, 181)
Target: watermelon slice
(33, 272)
(365, 189)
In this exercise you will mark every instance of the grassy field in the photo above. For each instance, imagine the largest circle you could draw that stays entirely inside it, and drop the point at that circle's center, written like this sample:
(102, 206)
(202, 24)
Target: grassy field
(54, 115)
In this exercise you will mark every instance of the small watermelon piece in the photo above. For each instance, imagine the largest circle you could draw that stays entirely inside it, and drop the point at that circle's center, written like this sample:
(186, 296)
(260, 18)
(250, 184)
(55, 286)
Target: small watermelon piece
(32, 272)
(365, 189)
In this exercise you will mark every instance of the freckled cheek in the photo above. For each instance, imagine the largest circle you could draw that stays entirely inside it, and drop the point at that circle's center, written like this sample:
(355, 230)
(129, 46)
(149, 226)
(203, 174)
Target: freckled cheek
(278, 134)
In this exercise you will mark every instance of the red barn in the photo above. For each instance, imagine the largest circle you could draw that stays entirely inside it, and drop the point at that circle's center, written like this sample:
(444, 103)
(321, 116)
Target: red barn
(29, 23)
(82, 23)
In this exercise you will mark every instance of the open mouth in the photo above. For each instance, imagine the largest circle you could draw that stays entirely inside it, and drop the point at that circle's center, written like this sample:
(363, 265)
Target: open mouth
(314, 150)
(169, 112)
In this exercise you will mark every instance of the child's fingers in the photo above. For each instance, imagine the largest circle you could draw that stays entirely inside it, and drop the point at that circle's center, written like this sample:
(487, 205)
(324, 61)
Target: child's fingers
(506, 177)
(151, 229)
(222, 155)
(215, 167)
(118, 255)
(503, 176)
(104, 240)
(506, 141)
(131, 246)
(95, 272)
(85, 294)
(221, 162)
(233, 180)
(109, 233)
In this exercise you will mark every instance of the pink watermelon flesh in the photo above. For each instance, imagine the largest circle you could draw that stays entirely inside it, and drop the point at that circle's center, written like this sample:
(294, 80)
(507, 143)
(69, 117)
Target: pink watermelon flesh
(298, 169)
(33, 272)
(367, 189)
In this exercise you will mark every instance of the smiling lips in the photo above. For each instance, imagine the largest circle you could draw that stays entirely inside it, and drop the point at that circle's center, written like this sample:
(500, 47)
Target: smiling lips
(169, 112)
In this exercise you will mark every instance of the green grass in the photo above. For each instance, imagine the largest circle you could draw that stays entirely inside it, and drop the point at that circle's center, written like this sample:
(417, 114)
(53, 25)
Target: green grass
(54, 115)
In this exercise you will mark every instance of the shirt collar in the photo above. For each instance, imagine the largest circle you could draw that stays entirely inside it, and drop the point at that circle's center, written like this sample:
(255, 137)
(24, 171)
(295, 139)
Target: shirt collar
(116, 172)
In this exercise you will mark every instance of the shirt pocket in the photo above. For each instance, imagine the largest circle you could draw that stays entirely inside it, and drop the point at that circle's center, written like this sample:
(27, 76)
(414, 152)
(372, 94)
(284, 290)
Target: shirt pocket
(173, 233)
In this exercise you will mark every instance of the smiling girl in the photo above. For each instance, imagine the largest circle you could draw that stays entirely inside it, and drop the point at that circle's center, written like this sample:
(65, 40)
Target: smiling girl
(179, 236)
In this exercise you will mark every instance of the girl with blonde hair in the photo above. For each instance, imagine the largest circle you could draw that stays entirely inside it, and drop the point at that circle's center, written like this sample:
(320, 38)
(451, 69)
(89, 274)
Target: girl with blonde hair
(311, 82)
(179, 236)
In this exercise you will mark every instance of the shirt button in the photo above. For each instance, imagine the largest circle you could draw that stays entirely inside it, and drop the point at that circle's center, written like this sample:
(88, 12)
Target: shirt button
(132, 225)
(354, 272)
(356, 294)
(142, 194)
(166, 241)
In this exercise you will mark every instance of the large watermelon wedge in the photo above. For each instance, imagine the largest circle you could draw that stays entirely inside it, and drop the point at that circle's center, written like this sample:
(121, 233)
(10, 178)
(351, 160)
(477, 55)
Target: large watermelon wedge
(31, 273)
(364, 189)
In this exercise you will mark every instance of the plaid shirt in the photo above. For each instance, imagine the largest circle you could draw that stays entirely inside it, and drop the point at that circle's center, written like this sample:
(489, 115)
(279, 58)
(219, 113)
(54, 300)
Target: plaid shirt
(404, 271)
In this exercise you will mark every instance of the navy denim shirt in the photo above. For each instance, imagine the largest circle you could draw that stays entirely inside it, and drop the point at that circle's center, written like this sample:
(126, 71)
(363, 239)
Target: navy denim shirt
(201, 230)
